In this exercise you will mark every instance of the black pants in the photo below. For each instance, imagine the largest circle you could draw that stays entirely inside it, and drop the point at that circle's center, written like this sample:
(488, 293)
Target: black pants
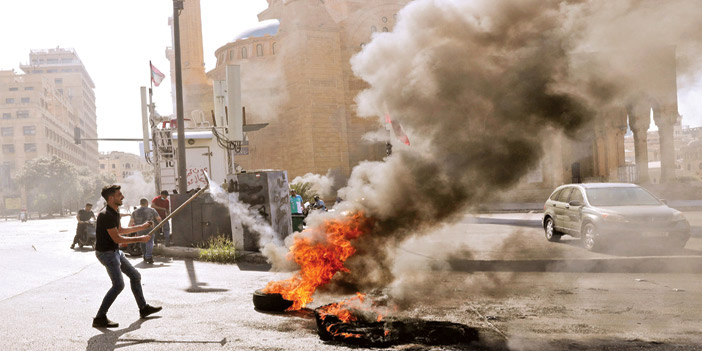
(80, 229)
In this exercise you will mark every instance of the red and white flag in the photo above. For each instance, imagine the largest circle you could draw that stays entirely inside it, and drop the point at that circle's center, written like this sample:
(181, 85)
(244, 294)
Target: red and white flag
(156, 75)
(397, 128)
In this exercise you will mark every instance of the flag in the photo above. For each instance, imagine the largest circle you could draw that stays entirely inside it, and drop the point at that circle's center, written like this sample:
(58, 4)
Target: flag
(156, 75)
(397, 128)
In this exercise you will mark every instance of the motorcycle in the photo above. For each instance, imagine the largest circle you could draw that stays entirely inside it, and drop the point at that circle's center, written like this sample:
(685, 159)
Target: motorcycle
(87, 237)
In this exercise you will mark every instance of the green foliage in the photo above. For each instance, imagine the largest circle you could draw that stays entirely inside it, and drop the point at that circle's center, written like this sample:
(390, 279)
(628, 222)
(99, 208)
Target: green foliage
(50, 183)
(218, 249)
(305, 190)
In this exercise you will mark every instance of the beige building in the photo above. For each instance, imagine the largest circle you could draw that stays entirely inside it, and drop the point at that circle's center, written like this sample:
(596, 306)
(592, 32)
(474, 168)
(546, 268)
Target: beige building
(39, 111)
(120, 165)
(296, 76)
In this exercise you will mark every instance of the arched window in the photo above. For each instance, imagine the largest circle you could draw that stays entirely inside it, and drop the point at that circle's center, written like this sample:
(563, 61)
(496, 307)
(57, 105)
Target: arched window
(244, 53)
(273, 48)
(231, 55)
(259, 50)
(363, 45)
(385, 20)
(374, 29)
(385, 29)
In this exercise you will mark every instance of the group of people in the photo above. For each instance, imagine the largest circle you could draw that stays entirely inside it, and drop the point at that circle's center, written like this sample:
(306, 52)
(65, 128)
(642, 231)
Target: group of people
(297, 207)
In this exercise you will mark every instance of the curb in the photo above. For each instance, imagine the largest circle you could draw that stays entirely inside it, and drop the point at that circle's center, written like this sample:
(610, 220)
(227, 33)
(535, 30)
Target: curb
(194, 253)
(658, 264)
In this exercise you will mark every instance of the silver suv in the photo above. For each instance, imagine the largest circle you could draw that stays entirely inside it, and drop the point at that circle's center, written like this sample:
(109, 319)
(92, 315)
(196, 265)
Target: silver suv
(600, 213)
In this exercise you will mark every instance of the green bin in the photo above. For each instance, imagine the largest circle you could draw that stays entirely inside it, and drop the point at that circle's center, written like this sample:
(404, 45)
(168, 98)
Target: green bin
(297, 219)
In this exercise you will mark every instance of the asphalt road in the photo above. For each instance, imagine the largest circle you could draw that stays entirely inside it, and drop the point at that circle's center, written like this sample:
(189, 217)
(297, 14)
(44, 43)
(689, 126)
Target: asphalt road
(49, 294)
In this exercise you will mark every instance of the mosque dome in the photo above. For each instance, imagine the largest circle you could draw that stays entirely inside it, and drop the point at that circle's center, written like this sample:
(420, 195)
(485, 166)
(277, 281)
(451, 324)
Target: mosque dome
(267, 27)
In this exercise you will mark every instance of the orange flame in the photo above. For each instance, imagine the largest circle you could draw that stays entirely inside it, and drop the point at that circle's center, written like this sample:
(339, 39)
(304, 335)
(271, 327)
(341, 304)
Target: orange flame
(320, 253)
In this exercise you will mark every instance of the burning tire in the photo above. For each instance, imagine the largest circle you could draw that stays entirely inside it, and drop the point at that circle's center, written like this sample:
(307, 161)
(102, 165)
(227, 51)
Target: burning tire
(270, 302)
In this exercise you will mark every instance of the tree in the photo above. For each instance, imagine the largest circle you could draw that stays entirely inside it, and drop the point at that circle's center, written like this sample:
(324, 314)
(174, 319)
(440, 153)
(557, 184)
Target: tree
(91, 184)
(49, 183)
(305, 190)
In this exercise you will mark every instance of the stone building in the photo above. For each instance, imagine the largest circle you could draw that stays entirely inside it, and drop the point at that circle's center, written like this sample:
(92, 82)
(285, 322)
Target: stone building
(296, 76)
(120, 165)
(40, 110)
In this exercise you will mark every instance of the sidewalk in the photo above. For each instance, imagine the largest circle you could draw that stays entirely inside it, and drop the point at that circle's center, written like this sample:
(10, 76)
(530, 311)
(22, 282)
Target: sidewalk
(680, 205)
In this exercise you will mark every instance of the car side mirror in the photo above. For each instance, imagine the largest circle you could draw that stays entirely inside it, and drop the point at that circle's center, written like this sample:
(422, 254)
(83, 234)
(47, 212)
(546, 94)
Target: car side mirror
(576, 203)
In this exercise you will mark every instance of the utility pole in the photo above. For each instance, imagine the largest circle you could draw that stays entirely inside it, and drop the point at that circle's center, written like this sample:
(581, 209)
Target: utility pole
(182, 178)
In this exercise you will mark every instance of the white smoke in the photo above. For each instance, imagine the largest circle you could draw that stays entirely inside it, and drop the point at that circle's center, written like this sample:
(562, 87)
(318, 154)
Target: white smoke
(271, 245)
(323, 185)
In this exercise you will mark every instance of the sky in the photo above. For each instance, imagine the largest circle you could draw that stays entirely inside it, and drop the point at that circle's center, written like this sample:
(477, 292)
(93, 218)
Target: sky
(115, 40)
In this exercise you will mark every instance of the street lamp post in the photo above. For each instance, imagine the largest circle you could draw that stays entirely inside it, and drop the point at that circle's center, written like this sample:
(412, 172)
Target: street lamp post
(182, 178)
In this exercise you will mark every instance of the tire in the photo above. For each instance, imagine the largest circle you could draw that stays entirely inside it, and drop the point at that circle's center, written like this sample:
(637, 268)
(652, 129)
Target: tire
(270, 302)
(551, 234)
(590, 239)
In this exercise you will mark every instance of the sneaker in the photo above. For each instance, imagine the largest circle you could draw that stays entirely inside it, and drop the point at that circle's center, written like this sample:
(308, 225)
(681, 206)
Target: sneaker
(103, 322)
(148, 310)
(150, 260)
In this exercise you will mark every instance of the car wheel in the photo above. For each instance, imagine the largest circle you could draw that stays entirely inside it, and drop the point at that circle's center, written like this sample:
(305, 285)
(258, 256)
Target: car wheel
(590, 238)
(551, 233)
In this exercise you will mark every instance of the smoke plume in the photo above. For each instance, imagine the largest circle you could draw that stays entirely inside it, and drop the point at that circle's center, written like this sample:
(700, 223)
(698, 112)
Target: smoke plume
(479, 86)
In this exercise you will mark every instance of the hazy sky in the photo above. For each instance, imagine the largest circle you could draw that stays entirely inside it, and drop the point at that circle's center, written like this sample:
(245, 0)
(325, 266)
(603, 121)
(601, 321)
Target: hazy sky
(115, 40)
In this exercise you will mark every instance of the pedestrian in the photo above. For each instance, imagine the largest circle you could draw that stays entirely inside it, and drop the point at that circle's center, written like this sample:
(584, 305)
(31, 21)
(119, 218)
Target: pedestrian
(83, 216)
(140, 216)
(295, 202)
(318, 204)
(163, 207)
(109, 234)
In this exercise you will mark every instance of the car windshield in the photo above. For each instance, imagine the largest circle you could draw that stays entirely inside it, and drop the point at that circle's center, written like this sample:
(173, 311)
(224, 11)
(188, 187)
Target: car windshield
(629, 196)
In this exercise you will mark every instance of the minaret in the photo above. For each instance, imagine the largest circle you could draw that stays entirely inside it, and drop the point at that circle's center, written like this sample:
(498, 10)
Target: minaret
(197, 92)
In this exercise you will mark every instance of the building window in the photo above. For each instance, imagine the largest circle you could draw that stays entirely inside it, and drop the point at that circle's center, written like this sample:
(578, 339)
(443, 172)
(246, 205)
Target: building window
(8, 149)
(38, 71)
(259, 50)
(13, 89)
(28, 88)
(25, 100)
(6, 115)
(127, 166)
(30, 147)
(385, 20)
(363, 45)
(244, 53)
(385, 29)
(29, 130)
(273, 48)
(50, 61)
(113, 166)
(10, 101)
(22, 114)
(231, 55)
(102, 166)
(51, 70)
(58, 80)
(7, 131)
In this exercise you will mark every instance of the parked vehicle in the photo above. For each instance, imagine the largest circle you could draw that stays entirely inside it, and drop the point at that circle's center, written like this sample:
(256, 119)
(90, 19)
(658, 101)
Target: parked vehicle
(604, 213)
(87, 237)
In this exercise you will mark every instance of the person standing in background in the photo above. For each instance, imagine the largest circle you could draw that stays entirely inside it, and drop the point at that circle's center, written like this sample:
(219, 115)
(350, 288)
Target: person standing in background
(163, 207)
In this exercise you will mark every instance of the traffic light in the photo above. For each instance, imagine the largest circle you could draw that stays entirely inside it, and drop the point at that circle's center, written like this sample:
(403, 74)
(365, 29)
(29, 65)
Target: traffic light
(76, 135)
